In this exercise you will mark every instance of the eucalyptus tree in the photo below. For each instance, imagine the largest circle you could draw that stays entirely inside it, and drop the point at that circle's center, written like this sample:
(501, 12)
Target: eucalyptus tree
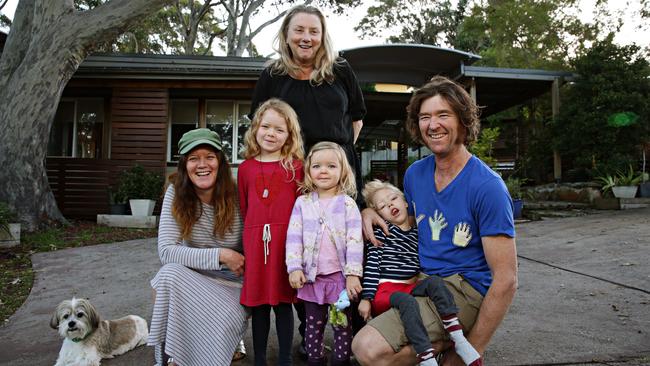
(47, 41)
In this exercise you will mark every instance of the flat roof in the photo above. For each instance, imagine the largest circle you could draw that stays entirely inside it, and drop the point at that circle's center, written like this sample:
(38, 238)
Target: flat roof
(409, 64)
(169, 67)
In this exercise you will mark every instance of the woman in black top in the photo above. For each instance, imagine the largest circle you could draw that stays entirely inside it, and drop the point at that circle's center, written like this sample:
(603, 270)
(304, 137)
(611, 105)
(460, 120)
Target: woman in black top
(320, 86)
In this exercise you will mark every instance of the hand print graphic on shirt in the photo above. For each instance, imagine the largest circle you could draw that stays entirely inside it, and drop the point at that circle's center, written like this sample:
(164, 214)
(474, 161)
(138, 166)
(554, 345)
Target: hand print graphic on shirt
(462, 234)
(419, 217)
(437, 223)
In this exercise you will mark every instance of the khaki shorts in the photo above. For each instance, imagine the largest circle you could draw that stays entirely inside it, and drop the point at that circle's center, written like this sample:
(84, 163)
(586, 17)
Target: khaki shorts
(467, 299)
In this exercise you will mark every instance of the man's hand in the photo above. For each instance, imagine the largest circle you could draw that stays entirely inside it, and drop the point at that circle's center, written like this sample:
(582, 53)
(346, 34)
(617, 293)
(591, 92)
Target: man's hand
(233, 260)
(353, 285)
(297, 279)
(370, 218)
(364, 309)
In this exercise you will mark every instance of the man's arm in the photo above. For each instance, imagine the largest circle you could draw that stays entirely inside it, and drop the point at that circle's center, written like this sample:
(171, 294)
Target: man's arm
(501, 255)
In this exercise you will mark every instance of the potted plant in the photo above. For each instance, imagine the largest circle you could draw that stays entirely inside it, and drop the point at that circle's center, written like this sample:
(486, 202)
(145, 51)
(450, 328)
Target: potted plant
(514, 188)
(117, 200)
(626, 183)
(142, 188)
(9, 228)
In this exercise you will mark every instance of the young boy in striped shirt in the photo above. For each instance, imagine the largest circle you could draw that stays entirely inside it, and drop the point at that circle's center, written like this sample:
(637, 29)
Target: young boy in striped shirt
(390, 278)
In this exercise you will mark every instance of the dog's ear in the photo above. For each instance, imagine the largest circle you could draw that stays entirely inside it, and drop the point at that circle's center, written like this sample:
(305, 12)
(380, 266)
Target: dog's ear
(54, 322)
(91, 312)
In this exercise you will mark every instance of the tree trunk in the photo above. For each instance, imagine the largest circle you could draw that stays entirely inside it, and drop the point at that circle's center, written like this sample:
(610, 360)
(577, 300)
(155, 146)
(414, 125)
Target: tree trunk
(47, 42)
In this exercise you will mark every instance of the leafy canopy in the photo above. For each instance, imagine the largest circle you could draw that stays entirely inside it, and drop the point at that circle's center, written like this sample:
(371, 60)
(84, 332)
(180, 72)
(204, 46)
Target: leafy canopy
(605, 114)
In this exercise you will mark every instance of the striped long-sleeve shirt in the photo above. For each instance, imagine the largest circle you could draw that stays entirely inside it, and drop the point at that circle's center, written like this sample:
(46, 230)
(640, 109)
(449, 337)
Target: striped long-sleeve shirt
(396, 259)
(201, 251)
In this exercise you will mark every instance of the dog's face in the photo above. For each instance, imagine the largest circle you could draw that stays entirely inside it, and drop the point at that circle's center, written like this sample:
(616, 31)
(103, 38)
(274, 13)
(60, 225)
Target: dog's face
(75, 318)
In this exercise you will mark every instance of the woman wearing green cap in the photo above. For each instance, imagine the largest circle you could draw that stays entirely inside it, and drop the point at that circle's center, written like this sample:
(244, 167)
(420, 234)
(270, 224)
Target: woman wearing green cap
(197, 318)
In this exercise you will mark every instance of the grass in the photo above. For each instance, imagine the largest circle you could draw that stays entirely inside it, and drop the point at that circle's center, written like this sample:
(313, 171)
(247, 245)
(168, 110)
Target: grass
(16, 276)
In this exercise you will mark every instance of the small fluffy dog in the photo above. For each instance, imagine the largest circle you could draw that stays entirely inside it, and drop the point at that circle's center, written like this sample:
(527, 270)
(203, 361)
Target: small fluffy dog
(89, 339)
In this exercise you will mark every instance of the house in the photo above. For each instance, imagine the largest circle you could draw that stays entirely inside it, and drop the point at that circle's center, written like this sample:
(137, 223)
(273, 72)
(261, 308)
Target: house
(119, 110)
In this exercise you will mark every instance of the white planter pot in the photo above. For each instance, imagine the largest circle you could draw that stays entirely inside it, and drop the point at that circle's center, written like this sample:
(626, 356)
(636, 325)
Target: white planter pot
(624, 191)
(11, 239)
(142, 207)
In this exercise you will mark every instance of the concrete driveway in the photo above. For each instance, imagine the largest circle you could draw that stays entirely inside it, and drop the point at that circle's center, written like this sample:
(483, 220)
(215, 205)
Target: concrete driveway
(583, 298)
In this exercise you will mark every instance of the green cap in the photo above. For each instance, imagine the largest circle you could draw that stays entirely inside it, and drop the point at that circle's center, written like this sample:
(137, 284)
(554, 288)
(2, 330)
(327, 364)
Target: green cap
(200, 136)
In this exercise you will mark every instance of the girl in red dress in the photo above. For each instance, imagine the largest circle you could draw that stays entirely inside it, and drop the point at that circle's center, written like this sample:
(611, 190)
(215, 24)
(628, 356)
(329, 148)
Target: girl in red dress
(268, 187)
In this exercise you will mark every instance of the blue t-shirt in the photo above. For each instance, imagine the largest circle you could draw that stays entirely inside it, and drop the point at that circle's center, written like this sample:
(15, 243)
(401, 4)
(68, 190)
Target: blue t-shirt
(451, 222)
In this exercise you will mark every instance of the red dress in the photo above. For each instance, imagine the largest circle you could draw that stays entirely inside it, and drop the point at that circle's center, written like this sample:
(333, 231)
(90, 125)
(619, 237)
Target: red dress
(266, 281)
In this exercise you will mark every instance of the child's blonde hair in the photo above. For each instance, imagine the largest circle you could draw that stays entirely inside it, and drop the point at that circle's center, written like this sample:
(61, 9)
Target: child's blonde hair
(371, 188)
(346, 182)
(292, 148)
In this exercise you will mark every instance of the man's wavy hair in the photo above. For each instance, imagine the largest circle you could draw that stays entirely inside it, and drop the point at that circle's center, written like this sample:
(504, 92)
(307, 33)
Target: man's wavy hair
(324, 60)
(187, 208)
(459, 100)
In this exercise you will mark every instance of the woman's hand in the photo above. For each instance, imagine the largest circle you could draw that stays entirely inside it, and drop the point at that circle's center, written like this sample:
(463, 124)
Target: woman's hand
(364, 309)
(370, 218)
(297, 279)
(233, 260)
(353, 285)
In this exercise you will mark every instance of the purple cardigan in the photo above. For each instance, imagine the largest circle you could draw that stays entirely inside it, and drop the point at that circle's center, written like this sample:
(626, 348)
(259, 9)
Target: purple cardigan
(305, 232)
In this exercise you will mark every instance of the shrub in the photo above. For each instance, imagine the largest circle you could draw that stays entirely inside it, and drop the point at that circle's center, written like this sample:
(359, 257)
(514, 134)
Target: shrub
(138, 183)
(7, 216)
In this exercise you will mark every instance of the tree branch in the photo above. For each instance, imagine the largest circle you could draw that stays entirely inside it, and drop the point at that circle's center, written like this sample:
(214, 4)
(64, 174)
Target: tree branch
(3, 3)
(20, 36)
(111, 19)
(267, 23)
(48, 12)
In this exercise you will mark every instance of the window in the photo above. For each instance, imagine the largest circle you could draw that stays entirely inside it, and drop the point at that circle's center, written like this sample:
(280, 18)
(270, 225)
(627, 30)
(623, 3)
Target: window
(78, 128)
(184, 117)
(219, 118)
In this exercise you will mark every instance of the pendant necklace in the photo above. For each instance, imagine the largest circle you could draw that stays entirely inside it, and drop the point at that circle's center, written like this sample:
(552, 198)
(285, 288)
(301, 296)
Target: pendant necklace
(265, 192)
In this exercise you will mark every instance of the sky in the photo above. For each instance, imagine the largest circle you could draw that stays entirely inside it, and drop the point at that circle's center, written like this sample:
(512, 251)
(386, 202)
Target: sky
(341, 27)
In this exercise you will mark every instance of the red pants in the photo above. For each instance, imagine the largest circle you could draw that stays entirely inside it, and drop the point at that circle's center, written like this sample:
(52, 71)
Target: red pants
(381, 302)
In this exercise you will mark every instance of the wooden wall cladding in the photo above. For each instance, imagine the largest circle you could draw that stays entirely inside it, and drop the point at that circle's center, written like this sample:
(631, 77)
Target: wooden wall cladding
(139, 126)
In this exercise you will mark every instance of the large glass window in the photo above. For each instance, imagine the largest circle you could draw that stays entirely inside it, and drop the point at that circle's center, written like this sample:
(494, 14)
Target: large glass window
(219, 118)
(78, 128)
(226, 117)
(184, 117)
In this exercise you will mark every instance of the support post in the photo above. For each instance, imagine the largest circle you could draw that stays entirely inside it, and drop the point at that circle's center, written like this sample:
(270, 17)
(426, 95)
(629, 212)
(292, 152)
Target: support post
(555, 105)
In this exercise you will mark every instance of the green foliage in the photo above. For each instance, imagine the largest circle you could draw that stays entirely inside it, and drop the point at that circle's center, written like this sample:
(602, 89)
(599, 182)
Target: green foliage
(627, 177)
(7, 216)
(117, 195)
(427, 22)
(514, 186)
(138, 183)
(484, 146)
(5, 21)
(613, 80)
(527, 33)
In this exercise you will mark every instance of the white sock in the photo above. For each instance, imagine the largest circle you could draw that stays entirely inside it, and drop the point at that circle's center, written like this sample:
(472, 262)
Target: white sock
(463, 348)
(427, 358)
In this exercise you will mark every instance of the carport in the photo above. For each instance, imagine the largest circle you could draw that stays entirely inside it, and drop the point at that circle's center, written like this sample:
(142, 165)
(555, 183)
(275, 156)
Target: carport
(407, 66)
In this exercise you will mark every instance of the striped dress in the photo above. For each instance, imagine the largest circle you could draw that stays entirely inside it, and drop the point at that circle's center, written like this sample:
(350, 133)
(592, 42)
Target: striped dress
(196, 312)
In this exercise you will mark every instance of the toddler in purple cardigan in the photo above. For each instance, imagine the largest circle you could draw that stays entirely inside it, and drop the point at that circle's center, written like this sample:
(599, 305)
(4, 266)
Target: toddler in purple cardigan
(324, 251)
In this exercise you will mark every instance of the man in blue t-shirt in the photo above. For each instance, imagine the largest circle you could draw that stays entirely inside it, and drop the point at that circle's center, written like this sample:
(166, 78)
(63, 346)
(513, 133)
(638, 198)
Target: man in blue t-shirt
(466, 229)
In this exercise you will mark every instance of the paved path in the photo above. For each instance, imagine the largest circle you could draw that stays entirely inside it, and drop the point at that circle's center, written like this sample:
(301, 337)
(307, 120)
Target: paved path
(583, 298)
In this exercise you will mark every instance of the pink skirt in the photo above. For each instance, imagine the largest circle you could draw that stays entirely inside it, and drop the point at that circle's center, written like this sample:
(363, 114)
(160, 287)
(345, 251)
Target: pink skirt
(325, 290)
